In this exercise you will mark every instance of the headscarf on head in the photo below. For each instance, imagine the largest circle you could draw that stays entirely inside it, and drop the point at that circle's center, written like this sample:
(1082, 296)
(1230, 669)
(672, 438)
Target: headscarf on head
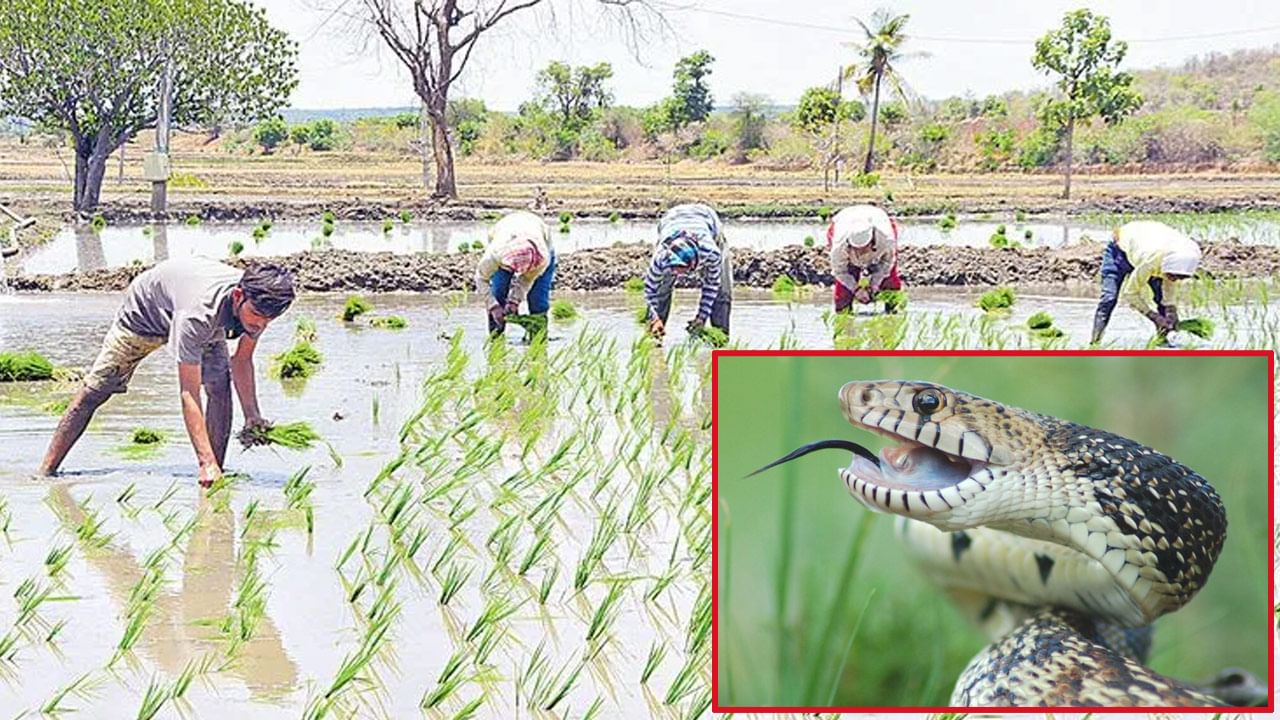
(1182, 261)
(269, 288)
(857, 226)
(682, 250)
(522, 257)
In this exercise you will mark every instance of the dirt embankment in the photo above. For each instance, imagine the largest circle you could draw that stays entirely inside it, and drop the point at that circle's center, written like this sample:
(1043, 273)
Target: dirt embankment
(609, 268)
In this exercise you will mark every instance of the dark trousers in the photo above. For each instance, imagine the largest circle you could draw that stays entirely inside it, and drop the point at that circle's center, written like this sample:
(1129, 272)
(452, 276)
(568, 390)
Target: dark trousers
(539, 297)
(1115, 268)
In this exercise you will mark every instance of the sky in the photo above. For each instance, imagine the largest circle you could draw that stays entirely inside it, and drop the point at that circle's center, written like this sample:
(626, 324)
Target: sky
(771, 47)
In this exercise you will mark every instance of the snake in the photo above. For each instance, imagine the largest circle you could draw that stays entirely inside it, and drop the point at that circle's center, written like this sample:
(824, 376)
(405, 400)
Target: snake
(1064, 542)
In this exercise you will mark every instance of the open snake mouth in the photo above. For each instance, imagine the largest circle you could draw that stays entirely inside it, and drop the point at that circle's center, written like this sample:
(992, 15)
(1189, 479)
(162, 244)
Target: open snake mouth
(906, 478)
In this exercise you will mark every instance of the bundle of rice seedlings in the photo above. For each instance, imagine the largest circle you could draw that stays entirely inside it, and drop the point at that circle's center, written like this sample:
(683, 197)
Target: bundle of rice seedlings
(299, 361)
(633, 284)
(894, 300)
(1200, 327)
(1048, 333)
(1001, 298)
(389, 322)
(294, 436)
(24, 366)
(147, 436)
(355, 307)
(532, 324)
(713, 336)
(784, 285)
(562, 309)
(1040, 320)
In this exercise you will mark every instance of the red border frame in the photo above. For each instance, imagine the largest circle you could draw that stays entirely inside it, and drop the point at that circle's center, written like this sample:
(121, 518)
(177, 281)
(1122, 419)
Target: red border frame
(716, 706)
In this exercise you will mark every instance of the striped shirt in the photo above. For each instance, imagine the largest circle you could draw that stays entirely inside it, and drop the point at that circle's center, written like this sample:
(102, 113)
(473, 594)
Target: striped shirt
(701, 222)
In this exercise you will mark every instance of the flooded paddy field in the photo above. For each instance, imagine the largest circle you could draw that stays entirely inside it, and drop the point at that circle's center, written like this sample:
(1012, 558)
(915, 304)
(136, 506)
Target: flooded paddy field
(498, 531)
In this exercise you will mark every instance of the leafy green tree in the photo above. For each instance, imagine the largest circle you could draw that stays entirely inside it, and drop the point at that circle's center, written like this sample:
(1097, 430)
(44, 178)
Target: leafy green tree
(995, 146)
(879, 53)
(300, 134)
(692, 96)
(270, 132)
(893, 113)
(994, 107)
(1085, 59)
(821, 106)
(574, 95)
(1265, 116)
(322, 135)
(91, 69)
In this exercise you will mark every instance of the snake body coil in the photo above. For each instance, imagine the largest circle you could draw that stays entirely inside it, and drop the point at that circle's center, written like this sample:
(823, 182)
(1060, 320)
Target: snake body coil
(1064, 541)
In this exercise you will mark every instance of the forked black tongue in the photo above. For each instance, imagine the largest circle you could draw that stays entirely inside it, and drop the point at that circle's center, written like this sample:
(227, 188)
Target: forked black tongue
(803, 450)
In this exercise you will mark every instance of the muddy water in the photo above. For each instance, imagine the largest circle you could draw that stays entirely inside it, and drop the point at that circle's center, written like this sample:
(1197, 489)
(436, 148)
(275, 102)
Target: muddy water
(86, 249)
(309, 627)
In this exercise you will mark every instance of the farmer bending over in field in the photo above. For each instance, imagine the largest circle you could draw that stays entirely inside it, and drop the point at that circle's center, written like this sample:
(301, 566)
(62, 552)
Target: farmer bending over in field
(1140, 260)
(690, 239)
(518, 263)
(863, 241)
(195, 305)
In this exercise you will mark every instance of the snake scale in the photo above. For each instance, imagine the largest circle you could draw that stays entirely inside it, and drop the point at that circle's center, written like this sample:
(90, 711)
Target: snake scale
(1063, 541)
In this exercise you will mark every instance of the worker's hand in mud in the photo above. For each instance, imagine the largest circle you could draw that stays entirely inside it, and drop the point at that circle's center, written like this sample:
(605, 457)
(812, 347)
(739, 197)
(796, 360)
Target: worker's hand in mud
(1171, 314)
(511, 309)
(862, 295)
(657, 328)
(210, 473)
(498, 313)
(1161, 321)
(695, 325)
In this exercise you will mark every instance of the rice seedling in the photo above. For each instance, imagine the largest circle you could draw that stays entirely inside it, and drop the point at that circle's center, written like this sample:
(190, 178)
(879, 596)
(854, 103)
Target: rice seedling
(657, 651)
(293, 436)
(533, 325)
(999, 239)
(893, 300)
(300, 361)
(783, 286)
(354, 307)
(405, 216)
(711, 335)
(1001, 298)
(389, 322)
(548, 582)
(1040, 320)
(606, 531)
(633, 285)
(155, 697)
(496, 609)
(147, 436)
(1200, 327)
(24, 366)
(454, 580)
(235, 248)
(947, 223)
(605, 613)
(327, 229)
(193, 220)
(387, 225)
(82, 687)
(563, 310)
(56, 560)
(450, 679)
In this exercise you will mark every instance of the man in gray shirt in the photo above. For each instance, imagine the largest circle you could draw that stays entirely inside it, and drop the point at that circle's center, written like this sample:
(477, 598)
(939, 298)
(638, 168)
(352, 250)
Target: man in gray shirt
(195, 305)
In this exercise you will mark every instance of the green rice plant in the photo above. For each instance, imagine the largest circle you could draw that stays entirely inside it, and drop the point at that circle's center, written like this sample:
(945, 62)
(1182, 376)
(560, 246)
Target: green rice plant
(633, 285)
(894, 300)
(533, 325)
(809, 241)
(89, 529)
(548, 582)
(387, 225)
(615, 216)
(193, 220)
(1200, 327)
(258, 234)
(606, 531)
(328, 217)
(168, 493)
(98, 222)
(824, 213)
(24, 366)
(882, 332)
(81, 687)
(783, 285)
(687, 679)
(405, 216)
(1002, 298)
(947, 223)
(293, 436)
(389, 322)
(147, 436)
(56, 560)
(235, 248)
(300, 361)
(539, 549)
(1040, 320)
(699, 706)
(496, 609)
(156, 695)
(9, 645)
(563, 310)
(657, 651)
(594, 709)
(711, 335)
(454, 580)
(450, 679)
(354, 307)
(605, 613)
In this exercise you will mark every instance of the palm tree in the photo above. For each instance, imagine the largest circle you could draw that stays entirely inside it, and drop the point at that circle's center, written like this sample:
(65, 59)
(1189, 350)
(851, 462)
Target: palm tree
(879, 55)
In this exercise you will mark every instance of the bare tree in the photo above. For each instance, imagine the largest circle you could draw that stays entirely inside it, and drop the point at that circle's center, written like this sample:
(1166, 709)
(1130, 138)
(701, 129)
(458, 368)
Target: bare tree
(434, 39)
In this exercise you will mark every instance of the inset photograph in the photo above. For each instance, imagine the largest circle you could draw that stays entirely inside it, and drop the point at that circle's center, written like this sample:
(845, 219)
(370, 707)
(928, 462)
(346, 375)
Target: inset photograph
(992, 530)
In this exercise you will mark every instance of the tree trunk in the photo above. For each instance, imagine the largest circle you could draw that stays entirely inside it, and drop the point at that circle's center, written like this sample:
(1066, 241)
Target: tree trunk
(91, 167)
(1071, 131)
(446, 186)
(875, 115)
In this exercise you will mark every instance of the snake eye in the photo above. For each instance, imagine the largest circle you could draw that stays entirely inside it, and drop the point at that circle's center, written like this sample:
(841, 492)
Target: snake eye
(927, 401)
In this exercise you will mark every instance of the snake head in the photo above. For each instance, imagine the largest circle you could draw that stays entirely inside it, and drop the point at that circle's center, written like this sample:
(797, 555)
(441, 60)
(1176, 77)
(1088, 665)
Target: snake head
(948, 448)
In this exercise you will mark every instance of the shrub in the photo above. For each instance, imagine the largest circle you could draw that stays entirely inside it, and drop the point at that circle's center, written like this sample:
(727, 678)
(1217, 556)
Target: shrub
(270, 133)
(321, 136)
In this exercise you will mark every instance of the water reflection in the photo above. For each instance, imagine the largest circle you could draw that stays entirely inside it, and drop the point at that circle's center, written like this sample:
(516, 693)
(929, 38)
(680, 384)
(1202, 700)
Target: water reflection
(89, 253)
